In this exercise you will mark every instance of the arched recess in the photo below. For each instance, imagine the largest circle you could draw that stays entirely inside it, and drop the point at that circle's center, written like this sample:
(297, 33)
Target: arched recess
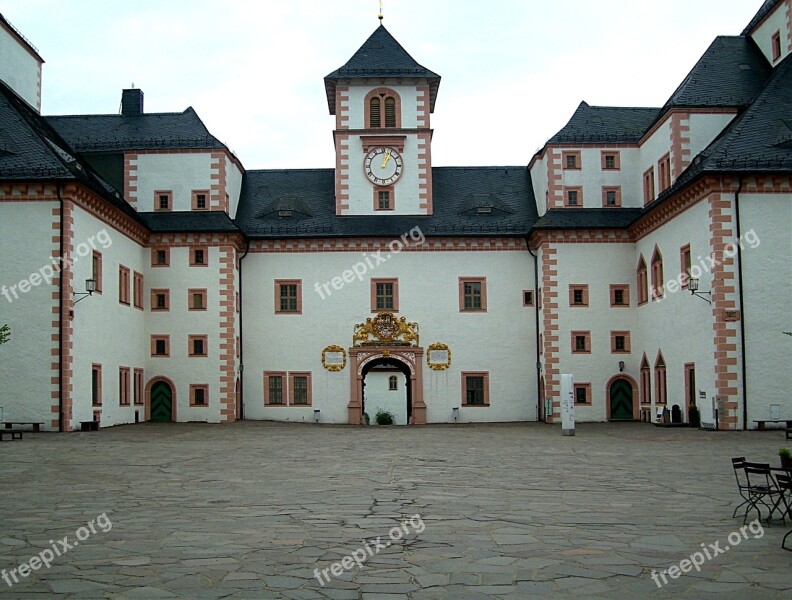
(150, 385)
(617, 380)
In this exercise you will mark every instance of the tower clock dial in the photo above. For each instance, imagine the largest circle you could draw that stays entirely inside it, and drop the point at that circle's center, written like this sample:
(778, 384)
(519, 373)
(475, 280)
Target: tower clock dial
(383, 165)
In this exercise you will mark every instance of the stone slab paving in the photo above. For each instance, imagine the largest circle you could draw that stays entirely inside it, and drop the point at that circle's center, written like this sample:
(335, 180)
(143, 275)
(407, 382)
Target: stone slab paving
(251, 510)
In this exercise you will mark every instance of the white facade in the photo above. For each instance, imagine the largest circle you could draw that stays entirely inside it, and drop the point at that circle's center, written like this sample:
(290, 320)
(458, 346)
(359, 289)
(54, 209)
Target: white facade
(20, 66)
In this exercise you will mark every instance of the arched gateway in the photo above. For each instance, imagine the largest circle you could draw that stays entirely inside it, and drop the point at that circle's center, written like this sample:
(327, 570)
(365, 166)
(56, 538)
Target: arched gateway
(386, 338)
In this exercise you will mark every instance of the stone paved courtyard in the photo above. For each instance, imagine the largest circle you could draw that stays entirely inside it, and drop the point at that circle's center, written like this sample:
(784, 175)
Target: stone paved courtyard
(250, 510)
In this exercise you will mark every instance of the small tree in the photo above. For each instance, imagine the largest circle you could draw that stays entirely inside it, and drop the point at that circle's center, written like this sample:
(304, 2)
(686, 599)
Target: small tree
(5, 334)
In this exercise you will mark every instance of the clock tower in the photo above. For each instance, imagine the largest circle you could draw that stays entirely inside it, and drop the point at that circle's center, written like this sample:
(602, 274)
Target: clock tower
(382, 100)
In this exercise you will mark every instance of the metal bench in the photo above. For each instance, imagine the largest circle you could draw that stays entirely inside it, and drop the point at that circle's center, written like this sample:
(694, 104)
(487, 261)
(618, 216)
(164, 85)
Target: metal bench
(36, 427)
(15, 435)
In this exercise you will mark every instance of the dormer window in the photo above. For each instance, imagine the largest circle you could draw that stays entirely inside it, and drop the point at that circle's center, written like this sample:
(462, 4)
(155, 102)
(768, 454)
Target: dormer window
(484, 210)
(383, 109)
(285, 214)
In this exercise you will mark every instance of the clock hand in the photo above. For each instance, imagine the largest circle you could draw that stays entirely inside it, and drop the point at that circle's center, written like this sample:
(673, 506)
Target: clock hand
(387, 158)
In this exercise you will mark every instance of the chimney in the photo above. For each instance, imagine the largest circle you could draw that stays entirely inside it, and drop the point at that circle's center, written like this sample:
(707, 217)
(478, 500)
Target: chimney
(132, 102)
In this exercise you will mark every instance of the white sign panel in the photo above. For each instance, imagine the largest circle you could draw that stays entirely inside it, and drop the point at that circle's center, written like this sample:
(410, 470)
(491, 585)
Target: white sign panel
(567, 404)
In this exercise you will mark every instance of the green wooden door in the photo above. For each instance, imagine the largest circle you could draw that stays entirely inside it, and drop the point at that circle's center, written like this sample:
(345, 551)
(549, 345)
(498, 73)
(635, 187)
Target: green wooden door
(161, 402)
(621, 401)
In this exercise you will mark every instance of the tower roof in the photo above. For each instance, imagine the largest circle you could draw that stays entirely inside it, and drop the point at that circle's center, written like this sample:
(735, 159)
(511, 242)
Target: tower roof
(381, 56)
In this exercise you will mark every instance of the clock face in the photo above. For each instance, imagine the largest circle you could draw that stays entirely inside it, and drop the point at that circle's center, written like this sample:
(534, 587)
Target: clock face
(383, 165)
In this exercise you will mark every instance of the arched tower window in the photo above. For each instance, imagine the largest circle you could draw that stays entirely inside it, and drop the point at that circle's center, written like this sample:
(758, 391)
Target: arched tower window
(657, 274)
(660, 379)
(646, 383)
(641, 280)
(383, 109)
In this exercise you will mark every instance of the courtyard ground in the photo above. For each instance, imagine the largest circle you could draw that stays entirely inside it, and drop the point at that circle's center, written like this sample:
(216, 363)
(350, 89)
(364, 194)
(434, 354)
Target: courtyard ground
(255, 510)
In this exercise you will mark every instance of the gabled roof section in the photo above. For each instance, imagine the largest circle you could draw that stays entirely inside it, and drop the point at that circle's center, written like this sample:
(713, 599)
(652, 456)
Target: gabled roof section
(451, 188)
(605, 124)
(152, 131)
(758, 141)
(765, 10)
(381, 56)
(588, 218)
(730, 74)
(31, 150)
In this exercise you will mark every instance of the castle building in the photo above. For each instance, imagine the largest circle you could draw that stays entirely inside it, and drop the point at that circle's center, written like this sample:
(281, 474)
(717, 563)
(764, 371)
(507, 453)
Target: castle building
(149, 276)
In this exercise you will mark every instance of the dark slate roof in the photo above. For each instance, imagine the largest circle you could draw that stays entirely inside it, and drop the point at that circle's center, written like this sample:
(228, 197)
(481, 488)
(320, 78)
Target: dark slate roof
(758, 141)
(605, 124)
(173, 222)
(588, 218)
(766, 9)
(730, 74)
(153, 131)
(381, 56)
(31, 150)
(20, 37)
(451, 186)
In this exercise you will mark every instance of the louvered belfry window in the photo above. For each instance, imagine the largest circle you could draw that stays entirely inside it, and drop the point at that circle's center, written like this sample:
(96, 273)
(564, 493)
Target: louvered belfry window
(374, 110)
(390, 112)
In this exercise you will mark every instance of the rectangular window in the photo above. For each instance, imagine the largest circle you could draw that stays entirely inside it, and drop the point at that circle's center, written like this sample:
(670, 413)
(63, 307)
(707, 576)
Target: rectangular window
(642, 282)
(528, 298)
(160, 257)
(649, 186)
(300, 389)
(776, 44)
(581, 342)
(611, 196)
(620, 295)
(578, 295)
(472, 294)
(274, 393)
(137, 291)
(685, 264)
(96, 385)
(199, 394)
(123, 285)
(611, 161)
(573, 197)
(96, 270)
(200, 200)
(163, 200)
(620, 342)
(582, 393)
(160, 300)
(571, 160)
(197, 345)
(690, 384)
(196, 299)
(288, 296)
(199, 257)
(384, 295)
(658, 289)
(160, 346)
(646, 383)
(123, 386)
(384, 198)
(475, 388)
(138, 387)
(664, 172)
(660, 382)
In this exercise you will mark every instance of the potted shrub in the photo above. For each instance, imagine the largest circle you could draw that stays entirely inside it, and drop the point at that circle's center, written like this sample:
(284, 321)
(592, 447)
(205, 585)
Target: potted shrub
(384, 417)
(786, 458)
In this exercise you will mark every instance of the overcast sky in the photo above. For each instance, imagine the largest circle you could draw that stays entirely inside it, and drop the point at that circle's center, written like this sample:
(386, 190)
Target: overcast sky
(513, 71)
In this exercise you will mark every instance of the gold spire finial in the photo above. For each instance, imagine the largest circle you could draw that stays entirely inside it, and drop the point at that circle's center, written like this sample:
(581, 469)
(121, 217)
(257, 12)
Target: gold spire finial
(380, 16)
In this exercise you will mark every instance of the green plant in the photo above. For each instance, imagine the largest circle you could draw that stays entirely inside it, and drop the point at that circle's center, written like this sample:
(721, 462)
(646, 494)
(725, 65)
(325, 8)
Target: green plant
(5, 334)
(384, 417)
(785, 453)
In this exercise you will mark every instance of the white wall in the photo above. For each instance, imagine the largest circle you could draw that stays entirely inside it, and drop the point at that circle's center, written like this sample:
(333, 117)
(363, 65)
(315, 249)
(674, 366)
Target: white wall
(180, 173)
(233, 186)
(500, 341)
(25, 361)
(704, 128)
(539, 181)
(767, 288)
(106, 332)
(652, 150)
(763, 34)
(20, 69)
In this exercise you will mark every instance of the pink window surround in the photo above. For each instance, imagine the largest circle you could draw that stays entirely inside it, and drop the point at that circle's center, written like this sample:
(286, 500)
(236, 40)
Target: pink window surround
(196, 299)
(155, 257)
(571, 160)
(528, 297)
(611, 192)
(641, 280)
(137, 289)
(123, 285)
(658, 290)
(199, 256)
(482, 281)
(292, 386)
(382, 93)
(615, 159)
(163, 200)
(685, 264)
(625, 336)
(660, 380)
(96, 270)
(486, 391)
(284, 388)
(775, 42)
(96, 376)
(160, 338)
(279, 291)
(374, 306)
(138, 387)
(625, 293)
(573, 194)
(123, 386)
(646, 381)
(391, 198)
(586, 392)
(191, 339)
(197, 195)
(155, 295)
(649, 186)
(664, 172)
(586, 335)
(582, 291)
(199, 391)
